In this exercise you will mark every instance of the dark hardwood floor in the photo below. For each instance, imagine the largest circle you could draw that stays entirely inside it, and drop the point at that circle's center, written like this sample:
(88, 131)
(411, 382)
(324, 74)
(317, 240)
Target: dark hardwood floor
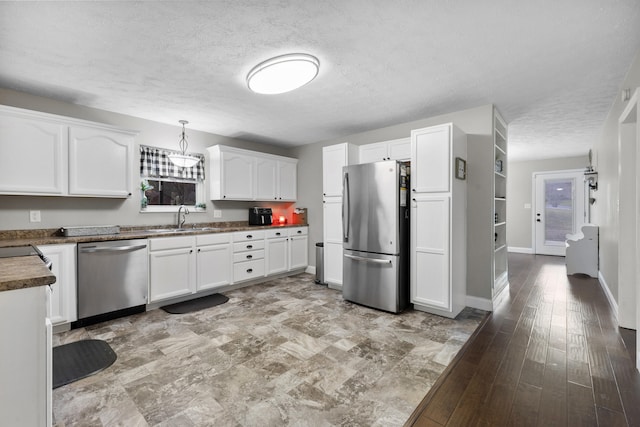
(550, 355)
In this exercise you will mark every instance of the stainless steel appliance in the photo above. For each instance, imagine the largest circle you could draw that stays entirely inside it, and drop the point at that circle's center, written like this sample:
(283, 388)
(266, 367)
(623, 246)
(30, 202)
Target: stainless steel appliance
(376, 240)
(260, 216)
(15, 251)
(112, 279)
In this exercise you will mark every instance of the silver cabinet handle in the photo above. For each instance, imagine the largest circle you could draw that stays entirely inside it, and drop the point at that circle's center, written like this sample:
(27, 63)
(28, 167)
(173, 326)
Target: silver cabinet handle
(112, 249)
(373, 260)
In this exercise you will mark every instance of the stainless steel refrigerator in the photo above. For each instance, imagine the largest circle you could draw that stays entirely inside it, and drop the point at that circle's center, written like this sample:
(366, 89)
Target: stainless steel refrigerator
(375, 222)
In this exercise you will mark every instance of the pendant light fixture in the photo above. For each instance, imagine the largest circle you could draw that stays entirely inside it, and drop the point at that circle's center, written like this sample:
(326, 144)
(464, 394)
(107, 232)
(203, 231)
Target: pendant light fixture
(283, 73)
(183, 160)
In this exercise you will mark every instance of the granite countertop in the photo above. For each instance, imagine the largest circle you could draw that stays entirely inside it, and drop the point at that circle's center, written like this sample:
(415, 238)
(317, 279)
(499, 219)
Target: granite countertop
(53, 237)
(24, 272)
(28, 271)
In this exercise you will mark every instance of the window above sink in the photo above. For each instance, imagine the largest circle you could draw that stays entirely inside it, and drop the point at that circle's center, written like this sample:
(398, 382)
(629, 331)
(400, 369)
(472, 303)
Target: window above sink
(164, 186)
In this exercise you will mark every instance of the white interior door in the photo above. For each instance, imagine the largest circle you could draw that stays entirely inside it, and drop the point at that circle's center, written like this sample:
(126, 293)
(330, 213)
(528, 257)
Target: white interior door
(559, 209)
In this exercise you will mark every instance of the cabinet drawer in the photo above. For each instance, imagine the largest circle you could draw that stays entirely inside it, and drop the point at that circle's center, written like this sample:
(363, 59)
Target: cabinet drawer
(281, 232)
(248, 255)
(248, 270)
(242, 236)
(299, 231)
(163, 243)
(248, 246)
(213, 239)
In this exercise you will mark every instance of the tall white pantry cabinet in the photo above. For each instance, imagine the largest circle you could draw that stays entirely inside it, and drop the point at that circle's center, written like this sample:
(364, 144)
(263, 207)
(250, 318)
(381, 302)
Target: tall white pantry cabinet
(438, 219)
(334, 158)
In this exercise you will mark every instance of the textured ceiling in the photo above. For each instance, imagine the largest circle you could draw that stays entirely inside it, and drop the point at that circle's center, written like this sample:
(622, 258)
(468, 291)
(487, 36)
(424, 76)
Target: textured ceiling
(552, 67)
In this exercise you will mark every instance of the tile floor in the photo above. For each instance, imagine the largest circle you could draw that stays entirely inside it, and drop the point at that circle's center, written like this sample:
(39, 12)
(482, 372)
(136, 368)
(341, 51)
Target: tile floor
(285, 352)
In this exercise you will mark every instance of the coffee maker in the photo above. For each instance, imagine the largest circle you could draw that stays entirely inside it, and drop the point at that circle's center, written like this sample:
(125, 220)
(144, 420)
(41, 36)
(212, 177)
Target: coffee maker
(260, 216)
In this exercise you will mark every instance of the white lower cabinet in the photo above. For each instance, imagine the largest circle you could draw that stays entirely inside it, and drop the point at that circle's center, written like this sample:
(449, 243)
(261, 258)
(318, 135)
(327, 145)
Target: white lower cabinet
(25, 355)
(63, 291)
(183, 265)
(172, 265)
(430, 228)
(298, 248)
(333, 241)
(214, 261)
(248, 255)
(277, 245)
(286, 249)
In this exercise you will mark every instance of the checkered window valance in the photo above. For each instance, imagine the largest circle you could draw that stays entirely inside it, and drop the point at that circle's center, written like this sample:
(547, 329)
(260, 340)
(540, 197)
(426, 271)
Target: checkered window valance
(155, 163)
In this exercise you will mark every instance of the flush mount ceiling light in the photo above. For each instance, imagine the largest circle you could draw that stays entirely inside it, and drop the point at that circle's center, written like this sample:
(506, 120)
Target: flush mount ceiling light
(183, 160)
(283, 73)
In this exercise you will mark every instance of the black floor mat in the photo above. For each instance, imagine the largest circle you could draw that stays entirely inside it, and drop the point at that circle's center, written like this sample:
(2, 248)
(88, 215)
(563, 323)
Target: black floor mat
(80, 359)
(196, 304)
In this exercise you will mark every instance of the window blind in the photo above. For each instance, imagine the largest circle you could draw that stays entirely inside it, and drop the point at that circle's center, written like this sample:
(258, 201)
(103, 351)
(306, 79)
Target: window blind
(155, 163)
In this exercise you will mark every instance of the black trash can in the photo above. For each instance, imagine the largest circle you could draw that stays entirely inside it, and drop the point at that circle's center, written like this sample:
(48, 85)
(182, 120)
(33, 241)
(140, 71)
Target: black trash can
(320, 263)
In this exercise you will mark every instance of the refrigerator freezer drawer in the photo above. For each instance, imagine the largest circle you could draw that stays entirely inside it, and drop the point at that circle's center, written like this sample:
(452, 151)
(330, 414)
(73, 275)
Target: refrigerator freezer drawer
(374, 280)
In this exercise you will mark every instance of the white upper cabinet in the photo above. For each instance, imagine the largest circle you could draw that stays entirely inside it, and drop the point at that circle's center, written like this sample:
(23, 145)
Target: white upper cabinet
(267, 178)
(287, 180)
(45, 154)
(334, 158)
(32, 155)
(100, 162)
(396, 149)
(237, 174)
(376, 152)
(431, 156)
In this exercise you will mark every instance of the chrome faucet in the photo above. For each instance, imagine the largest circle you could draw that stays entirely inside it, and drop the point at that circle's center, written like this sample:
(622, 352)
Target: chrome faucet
(182, 215)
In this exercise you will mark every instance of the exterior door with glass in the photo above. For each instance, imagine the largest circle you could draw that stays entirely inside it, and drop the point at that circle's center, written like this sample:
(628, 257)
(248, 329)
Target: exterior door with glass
(559, 209)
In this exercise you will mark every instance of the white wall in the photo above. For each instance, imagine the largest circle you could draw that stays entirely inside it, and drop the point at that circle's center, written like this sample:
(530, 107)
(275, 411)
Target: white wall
(606, 160)
(66, 211)
(520, 191)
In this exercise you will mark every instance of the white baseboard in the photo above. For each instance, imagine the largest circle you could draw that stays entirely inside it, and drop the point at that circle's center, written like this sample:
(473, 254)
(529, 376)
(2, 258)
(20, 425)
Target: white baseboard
(500, 296)
(479, 303)
(520, 250)
(311, 269)
(607, 292)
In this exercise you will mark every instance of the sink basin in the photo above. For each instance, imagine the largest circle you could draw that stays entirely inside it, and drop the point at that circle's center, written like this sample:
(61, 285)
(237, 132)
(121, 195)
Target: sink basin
(207, 229)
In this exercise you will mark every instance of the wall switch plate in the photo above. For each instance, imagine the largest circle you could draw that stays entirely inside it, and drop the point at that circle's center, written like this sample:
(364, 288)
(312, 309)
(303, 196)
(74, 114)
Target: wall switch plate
(217, 213)
(34, 216)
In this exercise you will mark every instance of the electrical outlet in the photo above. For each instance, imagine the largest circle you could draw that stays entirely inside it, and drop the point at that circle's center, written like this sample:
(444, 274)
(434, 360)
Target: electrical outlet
(34, 216)
(217, 213)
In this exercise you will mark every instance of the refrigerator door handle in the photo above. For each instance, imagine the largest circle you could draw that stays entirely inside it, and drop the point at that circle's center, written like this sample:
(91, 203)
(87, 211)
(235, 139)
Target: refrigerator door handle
(345, 207)
(373, 260)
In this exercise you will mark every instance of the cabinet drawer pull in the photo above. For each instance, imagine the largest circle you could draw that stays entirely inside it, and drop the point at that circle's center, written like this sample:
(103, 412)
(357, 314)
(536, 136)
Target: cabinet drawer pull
(249, 270)
(249, 246)
(299, 231)
(249, 236)
(277, 234)
(249, 256)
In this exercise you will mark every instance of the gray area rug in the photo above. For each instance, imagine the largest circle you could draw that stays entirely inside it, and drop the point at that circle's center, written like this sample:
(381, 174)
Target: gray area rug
(196, 304)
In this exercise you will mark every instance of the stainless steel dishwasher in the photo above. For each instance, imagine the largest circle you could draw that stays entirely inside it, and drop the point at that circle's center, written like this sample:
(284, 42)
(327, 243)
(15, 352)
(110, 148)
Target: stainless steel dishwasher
(113, 280)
